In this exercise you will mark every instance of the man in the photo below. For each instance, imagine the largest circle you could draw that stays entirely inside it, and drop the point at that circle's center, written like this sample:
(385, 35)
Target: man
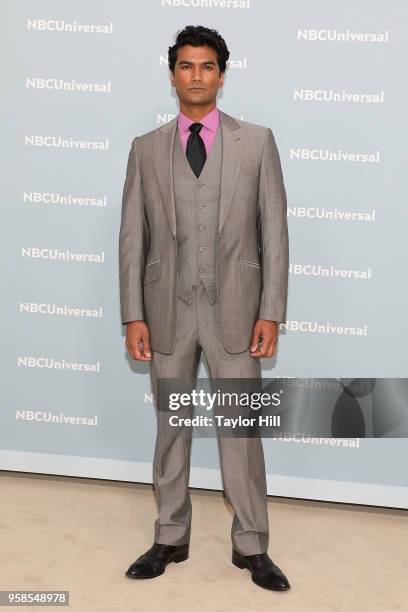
(203, 256)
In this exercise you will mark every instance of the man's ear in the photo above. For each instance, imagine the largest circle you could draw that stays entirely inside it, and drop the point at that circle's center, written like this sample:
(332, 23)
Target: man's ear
(172, 79)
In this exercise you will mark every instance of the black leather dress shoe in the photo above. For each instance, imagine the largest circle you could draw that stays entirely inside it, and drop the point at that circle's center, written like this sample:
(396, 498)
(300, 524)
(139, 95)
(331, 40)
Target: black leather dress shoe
(153, 562)
(264, 572)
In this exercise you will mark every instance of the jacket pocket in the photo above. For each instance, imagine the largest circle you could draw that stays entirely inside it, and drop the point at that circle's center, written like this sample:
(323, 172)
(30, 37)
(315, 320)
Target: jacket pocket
(152, 272)
(250, 263)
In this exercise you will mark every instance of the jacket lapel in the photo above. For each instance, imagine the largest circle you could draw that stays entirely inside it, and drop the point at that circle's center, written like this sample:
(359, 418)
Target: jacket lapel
(163, 167)
(231, 162)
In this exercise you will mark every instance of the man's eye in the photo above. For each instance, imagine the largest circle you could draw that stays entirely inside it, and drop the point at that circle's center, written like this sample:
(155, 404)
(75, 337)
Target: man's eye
(209, 67)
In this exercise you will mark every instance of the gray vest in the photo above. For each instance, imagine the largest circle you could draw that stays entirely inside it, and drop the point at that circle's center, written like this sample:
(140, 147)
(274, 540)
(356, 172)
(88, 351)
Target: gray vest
(197, 203)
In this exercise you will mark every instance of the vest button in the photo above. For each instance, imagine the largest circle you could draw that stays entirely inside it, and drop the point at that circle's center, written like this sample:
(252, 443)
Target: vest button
(194, 287)
(202, 249)
(201, 227)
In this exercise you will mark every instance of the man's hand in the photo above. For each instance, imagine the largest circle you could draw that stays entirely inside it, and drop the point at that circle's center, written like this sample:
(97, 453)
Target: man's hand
(137, 340)
(268, 331)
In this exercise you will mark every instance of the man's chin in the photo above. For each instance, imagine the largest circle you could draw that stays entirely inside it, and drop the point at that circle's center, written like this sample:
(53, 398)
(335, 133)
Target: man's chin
(197, 99)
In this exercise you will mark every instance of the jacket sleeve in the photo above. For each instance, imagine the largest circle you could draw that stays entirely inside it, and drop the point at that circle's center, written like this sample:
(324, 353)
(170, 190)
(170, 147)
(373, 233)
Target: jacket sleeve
(274, 243)
(131, 251)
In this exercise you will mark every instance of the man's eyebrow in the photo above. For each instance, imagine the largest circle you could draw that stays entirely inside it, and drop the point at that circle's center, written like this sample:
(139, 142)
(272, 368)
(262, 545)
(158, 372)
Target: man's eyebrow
(191, 62)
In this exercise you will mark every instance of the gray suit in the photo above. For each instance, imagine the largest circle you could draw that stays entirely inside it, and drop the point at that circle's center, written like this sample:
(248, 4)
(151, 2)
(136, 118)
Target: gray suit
(252, 253)
(200, 275)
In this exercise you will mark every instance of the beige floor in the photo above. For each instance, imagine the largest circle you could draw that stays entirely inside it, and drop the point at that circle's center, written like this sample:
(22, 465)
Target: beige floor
(80, 535)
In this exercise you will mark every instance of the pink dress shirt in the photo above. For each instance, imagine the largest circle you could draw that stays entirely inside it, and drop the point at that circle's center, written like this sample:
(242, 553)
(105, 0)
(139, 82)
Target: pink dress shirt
(208, 131)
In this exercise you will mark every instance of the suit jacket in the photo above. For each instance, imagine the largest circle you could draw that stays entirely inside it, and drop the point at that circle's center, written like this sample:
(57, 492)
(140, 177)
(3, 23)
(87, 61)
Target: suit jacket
(253, 249)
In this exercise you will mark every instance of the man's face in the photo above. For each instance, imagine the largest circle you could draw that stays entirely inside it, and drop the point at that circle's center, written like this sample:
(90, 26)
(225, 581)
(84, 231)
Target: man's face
(196, 75)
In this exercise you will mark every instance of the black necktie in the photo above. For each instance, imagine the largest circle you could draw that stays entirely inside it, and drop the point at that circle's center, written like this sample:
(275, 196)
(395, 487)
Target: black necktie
(195, 150)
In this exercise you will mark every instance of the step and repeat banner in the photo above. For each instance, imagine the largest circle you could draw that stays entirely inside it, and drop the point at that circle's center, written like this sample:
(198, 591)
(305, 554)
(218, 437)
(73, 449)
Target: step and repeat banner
(81, 80)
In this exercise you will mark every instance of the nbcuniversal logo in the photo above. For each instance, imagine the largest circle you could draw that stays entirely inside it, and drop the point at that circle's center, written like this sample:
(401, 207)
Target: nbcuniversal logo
(60, 25)
(42, 416)
(227, 4)
(334, 35)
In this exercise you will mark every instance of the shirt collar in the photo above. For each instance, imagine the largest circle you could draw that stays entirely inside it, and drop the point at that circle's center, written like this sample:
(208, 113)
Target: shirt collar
(210, 121)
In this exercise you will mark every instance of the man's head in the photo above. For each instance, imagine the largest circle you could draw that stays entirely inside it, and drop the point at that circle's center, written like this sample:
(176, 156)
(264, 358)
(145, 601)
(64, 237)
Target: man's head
(197, 62)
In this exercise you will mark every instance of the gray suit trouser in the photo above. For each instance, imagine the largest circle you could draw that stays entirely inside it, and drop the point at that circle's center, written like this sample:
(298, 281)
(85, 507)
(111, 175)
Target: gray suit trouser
(241, 459)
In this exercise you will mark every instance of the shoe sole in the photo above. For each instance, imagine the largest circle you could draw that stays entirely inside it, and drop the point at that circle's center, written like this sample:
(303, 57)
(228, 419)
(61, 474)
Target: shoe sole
(242, 565)
(176, 560)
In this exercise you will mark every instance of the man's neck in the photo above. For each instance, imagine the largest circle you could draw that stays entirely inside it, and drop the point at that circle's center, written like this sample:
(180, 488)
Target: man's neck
(196, 113)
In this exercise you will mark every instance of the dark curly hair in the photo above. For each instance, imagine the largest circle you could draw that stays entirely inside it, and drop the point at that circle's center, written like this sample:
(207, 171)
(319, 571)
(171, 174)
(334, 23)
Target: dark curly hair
(197, 36)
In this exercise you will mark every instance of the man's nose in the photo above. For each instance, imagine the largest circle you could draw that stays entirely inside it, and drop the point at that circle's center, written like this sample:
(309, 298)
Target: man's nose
(196, 75)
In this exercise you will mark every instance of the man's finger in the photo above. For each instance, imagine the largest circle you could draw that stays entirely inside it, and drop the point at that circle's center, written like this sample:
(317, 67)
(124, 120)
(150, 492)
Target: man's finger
(255, 341)
(271, 349)
(139, 352)
(131, 351)
(262, 352)
(136, 351)
(146, 345)
(266, 349)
